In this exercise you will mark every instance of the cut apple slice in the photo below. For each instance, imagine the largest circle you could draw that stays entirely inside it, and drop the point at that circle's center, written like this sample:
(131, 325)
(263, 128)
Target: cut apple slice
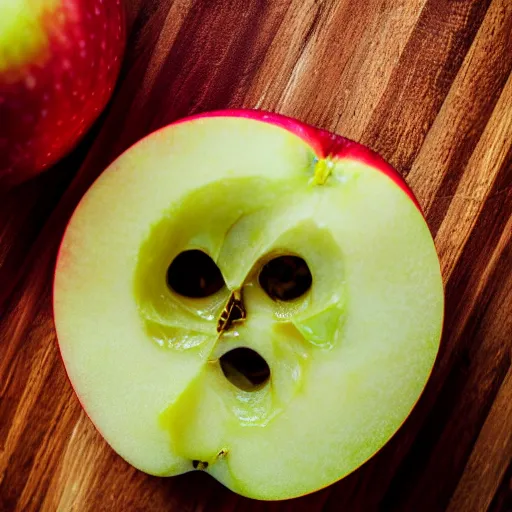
(245, 295)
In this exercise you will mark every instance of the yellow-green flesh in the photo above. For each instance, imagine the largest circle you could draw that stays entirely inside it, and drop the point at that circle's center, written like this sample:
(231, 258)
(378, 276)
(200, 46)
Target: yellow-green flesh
(348, 360)
(23, 36)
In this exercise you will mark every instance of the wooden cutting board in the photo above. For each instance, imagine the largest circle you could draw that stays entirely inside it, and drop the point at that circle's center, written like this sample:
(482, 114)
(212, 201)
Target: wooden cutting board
(424, 82)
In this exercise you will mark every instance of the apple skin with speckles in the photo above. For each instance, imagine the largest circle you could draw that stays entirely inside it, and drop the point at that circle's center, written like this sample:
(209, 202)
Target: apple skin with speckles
(59, 61)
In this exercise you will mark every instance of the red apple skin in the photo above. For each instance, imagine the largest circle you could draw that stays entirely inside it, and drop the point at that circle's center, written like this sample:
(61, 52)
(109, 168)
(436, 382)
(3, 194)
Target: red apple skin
(324, 144)
(47, 104)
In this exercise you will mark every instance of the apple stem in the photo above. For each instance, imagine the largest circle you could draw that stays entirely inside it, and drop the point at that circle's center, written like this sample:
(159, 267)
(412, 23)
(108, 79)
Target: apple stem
(322, 171)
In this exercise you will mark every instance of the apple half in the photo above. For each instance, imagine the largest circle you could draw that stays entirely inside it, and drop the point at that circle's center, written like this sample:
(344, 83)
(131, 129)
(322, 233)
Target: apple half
(246, 295)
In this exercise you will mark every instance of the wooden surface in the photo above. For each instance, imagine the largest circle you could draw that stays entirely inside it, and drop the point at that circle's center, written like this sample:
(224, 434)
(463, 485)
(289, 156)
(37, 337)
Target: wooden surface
(427, 84)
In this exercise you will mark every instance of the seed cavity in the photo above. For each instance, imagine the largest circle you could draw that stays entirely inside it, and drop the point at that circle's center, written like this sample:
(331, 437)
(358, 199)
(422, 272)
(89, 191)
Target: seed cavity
(198, 464)
(245, 369)
(194, 274)
(285, 278)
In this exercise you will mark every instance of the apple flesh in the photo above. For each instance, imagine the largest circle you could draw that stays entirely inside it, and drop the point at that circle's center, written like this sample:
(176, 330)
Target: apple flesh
(246, 295)
(59, 60)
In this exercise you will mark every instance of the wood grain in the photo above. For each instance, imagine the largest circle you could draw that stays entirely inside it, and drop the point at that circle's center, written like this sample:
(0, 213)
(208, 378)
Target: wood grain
(427, 83)
(494, 443)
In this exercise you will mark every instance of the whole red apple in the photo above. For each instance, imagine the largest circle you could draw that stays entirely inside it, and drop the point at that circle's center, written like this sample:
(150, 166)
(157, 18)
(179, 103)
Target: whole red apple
(59, 60)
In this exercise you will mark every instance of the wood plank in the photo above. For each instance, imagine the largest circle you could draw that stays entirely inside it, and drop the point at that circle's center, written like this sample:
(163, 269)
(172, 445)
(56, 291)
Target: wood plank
(426, 70)
(490, 456)
(450, 142)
